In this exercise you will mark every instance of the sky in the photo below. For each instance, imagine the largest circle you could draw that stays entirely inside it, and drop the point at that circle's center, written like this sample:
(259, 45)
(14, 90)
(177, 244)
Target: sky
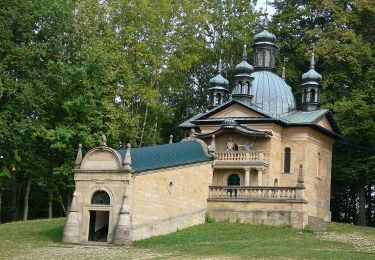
(262, 4)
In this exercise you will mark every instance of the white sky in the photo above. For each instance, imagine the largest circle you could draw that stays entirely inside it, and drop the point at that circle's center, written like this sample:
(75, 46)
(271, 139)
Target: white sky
(262, 4)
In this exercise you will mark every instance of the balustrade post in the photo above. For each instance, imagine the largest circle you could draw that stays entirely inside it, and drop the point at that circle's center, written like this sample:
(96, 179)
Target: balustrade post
(300, 183)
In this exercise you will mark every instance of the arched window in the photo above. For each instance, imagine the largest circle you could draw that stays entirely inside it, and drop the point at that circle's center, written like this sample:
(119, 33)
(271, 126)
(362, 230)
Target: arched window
(272, 65)
(211, 100)
(100, 198)
(218, 99)
(276, 182)
(287, 158)
(304, 99)
(260, 59)
(312, 95)
(240, 87)
(233, 180)
(267, 59)
(248, 87)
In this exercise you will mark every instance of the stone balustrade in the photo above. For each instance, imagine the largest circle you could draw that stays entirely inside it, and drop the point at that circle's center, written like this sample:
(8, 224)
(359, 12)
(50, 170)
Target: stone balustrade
(255, 193)
(239, 156)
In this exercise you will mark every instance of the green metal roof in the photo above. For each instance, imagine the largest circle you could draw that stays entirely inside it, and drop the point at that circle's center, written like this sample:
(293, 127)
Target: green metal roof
(301, 117)
(167, 155)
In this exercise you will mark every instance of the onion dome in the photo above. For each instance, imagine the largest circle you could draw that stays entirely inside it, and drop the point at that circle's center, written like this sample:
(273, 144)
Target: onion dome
(218, 92)
(265, 35)
(219, 80)
(265, 49)
(311, 87)
(312, 76)
(244, 67)
(271, 94)
(243, 79)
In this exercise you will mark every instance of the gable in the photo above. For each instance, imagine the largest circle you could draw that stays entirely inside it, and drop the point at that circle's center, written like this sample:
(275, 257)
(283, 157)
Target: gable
(101, 159)
(324, 123)
(235, 110)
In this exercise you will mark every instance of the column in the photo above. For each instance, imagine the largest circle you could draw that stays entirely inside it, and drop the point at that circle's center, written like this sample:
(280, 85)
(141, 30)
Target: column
(260, 173)
(247, 177)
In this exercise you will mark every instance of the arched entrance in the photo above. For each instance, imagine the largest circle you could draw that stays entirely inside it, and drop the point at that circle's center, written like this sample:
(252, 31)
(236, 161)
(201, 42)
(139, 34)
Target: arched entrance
(99, 219)
(233, 180)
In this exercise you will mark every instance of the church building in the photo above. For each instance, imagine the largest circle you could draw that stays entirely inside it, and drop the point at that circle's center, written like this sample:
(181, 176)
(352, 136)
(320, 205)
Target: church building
(251, 157)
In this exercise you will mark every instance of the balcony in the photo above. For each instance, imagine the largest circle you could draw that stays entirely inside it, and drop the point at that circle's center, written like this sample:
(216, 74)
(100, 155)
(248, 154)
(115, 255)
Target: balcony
(251, 193)
(241, 158)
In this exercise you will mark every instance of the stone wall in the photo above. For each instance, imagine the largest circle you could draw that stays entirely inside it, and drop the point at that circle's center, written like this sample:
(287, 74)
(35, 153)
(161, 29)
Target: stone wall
(268, 213)
(317, 224)
(166, 200)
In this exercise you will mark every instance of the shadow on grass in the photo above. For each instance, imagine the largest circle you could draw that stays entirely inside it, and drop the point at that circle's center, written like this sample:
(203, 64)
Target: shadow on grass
(54, 233)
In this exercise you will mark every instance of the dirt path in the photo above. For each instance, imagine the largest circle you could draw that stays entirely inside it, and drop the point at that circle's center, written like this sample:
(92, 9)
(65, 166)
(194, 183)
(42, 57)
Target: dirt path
(360, 242)
(59, 251)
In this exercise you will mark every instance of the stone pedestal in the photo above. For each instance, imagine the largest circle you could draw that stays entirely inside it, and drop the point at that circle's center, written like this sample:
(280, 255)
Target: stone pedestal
(123, 229)
(71, 228)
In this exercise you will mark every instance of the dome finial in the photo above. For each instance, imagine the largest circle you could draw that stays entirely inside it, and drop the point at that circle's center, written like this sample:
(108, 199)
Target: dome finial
(244, 54)
(312, 61)
(220, 66)
(266, 16)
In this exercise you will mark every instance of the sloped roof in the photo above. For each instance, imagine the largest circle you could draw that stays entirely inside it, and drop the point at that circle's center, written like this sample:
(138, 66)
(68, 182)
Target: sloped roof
(166, 155)
(188, 124)
(299, 117)
(294, 119)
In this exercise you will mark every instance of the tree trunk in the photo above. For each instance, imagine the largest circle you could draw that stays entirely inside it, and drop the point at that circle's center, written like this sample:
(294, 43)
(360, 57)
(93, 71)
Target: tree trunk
(50, 203)
(50, 196)
(143, 126)
(362, 206)
(14, 197)
(62, 204)
(26, 200)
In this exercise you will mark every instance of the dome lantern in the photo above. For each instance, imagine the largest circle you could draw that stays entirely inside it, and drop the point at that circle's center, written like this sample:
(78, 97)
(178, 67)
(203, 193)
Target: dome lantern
(243, 80)
(311, 87)
(265, 48)
(218, 92)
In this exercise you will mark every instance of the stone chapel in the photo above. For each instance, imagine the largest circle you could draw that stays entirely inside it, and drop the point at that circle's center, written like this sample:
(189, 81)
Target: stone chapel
(252, 156)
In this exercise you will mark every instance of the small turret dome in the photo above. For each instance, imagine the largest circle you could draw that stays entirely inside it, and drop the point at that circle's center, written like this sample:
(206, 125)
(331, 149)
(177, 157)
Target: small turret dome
(265, 36)
(219, 80)
(244, 68)
(311, 76)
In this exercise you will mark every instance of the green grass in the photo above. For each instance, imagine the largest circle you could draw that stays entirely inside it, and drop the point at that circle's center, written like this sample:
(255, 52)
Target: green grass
(220, 239)
(19, 238)
(243, 240)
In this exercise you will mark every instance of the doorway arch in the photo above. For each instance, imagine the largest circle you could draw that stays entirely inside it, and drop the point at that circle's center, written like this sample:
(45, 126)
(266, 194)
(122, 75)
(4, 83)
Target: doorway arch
(99, 216)
(233, 180)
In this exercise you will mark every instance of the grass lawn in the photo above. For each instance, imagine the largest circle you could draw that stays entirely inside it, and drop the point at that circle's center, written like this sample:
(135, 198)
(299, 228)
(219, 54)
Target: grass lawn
(41, 239)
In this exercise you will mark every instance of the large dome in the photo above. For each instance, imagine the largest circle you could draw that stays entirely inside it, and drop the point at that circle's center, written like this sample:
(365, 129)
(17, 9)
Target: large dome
(271, 94)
